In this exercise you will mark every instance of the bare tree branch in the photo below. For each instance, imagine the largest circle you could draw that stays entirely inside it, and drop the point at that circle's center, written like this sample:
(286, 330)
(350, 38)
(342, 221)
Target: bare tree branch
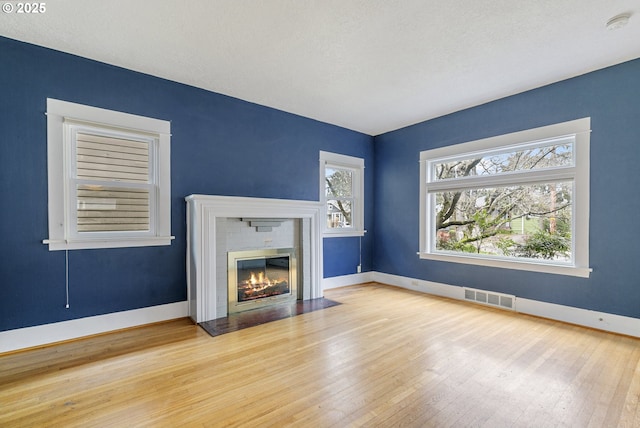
(339, 205)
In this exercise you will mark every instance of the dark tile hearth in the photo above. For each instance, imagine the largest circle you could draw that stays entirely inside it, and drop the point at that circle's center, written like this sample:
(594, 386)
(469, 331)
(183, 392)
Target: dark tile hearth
(238, 321)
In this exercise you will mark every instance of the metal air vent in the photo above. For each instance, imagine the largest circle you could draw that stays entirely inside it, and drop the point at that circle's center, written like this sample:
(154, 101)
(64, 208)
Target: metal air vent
(504, 301)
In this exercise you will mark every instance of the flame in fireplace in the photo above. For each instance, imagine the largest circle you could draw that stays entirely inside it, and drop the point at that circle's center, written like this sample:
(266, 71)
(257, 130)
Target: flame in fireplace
(260, 280)
(259, 285)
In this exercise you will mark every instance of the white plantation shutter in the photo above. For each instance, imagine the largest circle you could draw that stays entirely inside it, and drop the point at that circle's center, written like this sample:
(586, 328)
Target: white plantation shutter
(117, 206)
(110, 209)
(111, 158)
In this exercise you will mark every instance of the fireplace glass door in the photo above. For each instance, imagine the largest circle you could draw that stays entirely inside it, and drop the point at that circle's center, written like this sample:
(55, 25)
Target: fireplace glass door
(259, 278)
(263, 277)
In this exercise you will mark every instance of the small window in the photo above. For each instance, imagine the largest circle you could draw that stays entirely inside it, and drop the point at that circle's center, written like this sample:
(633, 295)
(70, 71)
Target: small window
(341, 192)
(109, 182)
(518, 201)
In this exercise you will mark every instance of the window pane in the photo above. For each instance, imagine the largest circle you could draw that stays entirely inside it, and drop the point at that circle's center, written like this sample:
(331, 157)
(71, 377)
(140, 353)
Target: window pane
(338, 183)
(110, 158)
(338, 213)
(112, 209)
(548, 156)
(530, 221)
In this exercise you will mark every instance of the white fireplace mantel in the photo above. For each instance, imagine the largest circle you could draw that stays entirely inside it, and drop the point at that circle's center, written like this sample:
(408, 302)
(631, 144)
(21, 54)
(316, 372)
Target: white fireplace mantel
(203, 211)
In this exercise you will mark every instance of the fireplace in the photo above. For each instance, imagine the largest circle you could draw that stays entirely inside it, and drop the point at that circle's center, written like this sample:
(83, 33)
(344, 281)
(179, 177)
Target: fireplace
(215, 227)
(259, 278)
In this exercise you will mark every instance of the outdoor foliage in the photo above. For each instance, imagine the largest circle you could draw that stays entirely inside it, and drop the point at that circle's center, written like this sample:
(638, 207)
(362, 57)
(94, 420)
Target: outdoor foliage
(524, 220)
(543, 244)
(339, 192)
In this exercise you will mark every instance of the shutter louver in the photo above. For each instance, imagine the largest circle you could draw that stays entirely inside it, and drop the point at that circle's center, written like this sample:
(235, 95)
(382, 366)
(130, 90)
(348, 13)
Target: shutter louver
(112, 208)
(112, 159)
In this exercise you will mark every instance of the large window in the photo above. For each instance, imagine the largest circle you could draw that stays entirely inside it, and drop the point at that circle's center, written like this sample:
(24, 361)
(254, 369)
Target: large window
(517, 201)
(109, 182)
(342, 193)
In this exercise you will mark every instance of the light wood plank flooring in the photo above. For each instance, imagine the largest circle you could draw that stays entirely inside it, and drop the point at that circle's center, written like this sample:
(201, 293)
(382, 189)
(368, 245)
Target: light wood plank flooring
(386, 357)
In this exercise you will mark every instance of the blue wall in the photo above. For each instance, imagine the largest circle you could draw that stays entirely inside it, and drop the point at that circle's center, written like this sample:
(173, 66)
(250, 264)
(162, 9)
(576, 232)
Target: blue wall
(611, 97)
(220, 146)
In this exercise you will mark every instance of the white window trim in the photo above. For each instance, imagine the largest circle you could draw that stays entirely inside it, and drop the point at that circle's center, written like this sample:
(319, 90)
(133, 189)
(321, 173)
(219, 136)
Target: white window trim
(61, 236)
(357, 211)
(579, 128)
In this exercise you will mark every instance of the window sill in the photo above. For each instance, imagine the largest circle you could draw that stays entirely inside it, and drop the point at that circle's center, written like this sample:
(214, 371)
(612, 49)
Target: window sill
(55, 245)
(344, 234)
(582, 272)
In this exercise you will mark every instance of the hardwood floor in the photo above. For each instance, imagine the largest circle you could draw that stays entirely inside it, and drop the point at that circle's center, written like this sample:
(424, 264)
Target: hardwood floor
(385, 357)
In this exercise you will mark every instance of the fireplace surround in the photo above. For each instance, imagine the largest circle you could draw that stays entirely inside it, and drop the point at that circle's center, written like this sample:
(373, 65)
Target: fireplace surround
(218, 225)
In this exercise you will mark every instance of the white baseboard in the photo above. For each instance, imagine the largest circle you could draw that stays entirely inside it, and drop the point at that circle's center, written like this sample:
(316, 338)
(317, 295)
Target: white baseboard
(29, 337)
(422, 286)
(584, 317)
(344, 280)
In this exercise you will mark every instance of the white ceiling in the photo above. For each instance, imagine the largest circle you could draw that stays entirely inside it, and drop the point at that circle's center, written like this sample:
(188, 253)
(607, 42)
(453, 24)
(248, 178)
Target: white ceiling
(368, 65)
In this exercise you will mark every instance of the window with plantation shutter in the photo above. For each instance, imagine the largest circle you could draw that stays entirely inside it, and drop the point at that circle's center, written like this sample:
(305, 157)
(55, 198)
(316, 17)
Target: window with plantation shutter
(115, 188)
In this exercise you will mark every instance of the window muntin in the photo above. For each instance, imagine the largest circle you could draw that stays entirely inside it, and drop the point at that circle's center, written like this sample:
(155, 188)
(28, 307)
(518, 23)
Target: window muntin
(341, 192)
(109, 178)
(517, 201)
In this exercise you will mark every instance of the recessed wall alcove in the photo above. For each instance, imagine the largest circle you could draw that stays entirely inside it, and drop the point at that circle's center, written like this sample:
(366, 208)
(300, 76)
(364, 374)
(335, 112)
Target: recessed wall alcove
(216, 225)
